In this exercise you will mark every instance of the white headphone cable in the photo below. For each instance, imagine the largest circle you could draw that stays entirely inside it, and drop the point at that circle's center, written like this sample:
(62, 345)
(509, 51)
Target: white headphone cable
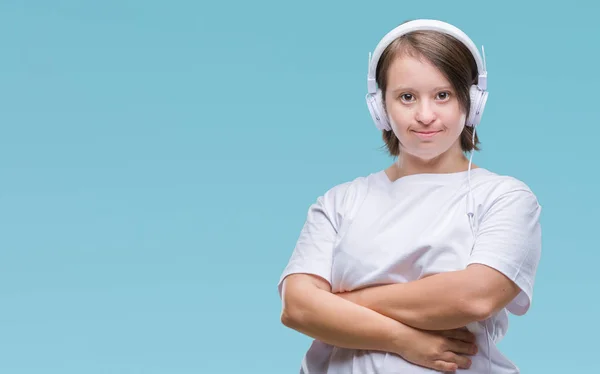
(470, 202)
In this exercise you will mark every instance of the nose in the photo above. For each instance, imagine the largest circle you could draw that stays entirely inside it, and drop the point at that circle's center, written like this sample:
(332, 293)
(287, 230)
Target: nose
(425, 113)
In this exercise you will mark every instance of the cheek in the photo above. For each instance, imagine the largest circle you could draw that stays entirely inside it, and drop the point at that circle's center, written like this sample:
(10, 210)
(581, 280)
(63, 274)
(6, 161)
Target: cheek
(461, 121)
(453, 118)
(399, 115)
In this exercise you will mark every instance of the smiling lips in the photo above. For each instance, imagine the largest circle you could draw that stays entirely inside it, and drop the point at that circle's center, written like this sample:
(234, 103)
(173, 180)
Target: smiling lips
(426, 134)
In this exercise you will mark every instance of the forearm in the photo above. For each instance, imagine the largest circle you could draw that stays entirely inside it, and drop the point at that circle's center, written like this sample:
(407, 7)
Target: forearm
(332, 320)
(438, 302)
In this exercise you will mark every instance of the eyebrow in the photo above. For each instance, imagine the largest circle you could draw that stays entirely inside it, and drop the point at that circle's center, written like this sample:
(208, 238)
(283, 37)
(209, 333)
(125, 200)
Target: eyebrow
(440, 88)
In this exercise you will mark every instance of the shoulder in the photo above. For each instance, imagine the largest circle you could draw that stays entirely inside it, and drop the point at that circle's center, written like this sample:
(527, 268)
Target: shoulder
(493, 189)
(342, 199)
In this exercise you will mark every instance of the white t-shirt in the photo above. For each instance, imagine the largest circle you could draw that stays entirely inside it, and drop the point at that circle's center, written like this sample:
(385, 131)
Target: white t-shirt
(373, 231)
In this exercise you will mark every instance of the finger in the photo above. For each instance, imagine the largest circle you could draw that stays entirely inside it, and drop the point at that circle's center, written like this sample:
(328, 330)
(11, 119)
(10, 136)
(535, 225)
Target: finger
(460, 334)
(462, 361)
(444, 366)
(461, 347)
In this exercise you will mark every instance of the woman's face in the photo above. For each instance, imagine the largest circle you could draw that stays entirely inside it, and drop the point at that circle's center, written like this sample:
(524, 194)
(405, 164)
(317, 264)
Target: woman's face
(423, 108)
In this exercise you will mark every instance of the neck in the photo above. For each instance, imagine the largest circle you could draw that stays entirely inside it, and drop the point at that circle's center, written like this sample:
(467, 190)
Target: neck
(452, 161)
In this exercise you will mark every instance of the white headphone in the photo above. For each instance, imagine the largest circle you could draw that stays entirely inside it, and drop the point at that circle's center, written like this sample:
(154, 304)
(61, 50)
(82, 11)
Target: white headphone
(478, 92)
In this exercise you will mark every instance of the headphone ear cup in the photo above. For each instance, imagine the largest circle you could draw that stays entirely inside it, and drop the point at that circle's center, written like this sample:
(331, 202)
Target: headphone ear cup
(478, 100)
(375, 104)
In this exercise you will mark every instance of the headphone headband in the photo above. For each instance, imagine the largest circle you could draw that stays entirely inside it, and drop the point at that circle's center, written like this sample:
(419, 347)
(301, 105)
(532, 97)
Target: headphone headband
(431, 25)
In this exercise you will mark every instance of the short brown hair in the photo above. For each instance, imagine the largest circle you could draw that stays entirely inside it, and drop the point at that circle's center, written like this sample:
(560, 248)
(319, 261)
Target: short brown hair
(450, 56)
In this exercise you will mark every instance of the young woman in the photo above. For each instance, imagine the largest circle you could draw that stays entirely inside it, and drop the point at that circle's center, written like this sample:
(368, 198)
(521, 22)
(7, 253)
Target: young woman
(413, 269)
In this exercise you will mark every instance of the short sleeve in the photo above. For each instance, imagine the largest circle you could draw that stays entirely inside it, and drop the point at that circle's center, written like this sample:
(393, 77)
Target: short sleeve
(313, 253)
(509, 240)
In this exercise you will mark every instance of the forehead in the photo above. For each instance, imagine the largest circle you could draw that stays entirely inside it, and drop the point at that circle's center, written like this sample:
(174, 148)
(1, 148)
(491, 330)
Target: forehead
(414, 72)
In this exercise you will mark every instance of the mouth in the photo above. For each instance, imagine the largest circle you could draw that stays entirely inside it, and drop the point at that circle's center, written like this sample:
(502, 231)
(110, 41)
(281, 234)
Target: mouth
(426, 134)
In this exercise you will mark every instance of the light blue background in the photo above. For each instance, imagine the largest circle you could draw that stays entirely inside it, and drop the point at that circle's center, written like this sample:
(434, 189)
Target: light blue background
(158, 158)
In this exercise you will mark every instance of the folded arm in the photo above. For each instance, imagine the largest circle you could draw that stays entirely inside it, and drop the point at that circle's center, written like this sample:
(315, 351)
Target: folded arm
(441, 301)
(310, 308)
(503, 263)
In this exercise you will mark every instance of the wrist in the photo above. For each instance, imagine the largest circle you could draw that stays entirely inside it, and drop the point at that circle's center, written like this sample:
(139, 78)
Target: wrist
(399, 339)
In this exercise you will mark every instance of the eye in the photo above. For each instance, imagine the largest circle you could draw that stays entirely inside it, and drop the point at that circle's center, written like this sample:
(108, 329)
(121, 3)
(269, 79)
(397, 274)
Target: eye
(444, 95)
(407, 97)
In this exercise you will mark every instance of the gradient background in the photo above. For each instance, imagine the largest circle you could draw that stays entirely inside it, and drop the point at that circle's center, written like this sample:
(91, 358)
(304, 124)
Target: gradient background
(158, 159)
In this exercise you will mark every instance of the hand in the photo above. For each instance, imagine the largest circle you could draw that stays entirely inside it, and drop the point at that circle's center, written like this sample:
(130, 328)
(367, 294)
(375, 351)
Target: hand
(444, 350)
(439, 350)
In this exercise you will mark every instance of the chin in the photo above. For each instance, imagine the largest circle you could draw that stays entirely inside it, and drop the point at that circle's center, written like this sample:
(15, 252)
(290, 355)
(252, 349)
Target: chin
(425, 150)
(425, 156)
